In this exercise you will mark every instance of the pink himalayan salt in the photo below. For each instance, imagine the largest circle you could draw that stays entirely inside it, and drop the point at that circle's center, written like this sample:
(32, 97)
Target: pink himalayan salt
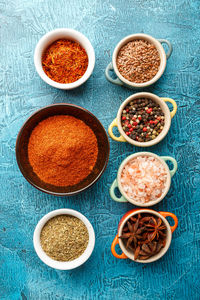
(143, 179)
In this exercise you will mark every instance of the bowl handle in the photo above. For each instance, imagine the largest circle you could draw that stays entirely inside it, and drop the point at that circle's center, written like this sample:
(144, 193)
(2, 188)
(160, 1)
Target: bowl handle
(114, 253)
(109, 78)
(112, 193)
(110, 131)
(173, 112)
(169, 214)
(174, 162)
(162, 41)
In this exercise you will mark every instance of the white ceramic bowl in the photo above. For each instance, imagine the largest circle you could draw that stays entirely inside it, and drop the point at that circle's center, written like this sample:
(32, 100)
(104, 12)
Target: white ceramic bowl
(64, 33)
(168, 116)
(120, 80)
(117, 182)
(69, 265)
(127, 253)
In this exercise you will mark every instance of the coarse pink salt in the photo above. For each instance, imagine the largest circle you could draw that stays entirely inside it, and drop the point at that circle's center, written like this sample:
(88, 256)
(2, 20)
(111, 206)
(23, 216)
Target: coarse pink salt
(143, 179)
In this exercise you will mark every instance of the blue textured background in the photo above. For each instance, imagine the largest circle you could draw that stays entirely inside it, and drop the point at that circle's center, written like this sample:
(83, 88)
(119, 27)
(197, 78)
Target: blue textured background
(22, 274)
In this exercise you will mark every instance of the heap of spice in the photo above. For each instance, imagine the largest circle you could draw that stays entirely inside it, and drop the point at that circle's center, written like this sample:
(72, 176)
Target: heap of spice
(64, 238)
(65, 61)
(62, 150)
(144, 235)
(138, 61)
(142, 119)
(143, 179)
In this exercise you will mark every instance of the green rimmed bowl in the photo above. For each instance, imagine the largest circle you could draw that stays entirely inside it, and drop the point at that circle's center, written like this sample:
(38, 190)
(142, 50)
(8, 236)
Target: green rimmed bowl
(117, 182)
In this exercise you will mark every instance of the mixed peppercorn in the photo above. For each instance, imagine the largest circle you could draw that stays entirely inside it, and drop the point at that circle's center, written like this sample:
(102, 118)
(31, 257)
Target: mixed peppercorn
(142, 119)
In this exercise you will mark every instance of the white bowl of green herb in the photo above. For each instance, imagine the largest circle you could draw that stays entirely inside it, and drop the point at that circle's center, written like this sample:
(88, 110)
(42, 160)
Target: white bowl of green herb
(64, 239)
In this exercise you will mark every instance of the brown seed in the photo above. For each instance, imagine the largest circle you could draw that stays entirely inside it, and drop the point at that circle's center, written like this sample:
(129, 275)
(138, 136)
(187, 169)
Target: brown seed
(138, 61)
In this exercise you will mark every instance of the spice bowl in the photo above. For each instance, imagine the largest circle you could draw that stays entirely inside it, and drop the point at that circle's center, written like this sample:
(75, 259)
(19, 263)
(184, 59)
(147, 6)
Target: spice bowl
(22, 152)
(63, 265)
(64, 33)
(127, 253)
(144, 193)
(157, 43)
(161, 102)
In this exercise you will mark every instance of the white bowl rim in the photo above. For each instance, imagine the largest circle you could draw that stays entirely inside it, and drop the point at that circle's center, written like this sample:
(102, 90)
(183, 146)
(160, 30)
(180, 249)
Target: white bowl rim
(159, 47)
(162, 251)
(54, 35)
(69, 265)
(165, 110)
(168, 182)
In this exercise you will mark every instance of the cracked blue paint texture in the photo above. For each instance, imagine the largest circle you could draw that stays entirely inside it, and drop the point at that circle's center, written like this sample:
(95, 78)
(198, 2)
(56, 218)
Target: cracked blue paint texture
(22, 274)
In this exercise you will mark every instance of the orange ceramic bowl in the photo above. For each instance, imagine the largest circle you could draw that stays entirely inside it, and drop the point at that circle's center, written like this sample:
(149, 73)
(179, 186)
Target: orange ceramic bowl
(129, 254)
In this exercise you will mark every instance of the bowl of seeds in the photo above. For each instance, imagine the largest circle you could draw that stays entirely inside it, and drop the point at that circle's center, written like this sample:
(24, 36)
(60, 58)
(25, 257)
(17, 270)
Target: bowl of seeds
(64, 239)
(143, 179)
(138, 61)
(144, 235)
(143, 119)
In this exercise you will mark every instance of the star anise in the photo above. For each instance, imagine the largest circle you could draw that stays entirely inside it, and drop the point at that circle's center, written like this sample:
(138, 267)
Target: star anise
(144, 235)
(148, 250)
(133, 235)
(157, 229)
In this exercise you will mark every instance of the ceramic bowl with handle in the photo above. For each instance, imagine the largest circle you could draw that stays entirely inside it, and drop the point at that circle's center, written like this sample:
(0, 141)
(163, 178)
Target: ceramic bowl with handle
(127, 253)
(62, 109)
(60, 265)
(117, 182)
(64, 33)
(120, 80)
(167, 113)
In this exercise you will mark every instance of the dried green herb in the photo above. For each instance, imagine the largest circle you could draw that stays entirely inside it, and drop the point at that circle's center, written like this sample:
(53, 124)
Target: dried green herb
(64, 238)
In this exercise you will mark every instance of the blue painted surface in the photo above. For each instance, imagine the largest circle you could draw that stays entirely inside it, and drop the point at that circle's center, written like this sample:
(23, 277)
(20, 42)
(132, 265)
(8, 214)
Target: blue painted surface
(22, 274)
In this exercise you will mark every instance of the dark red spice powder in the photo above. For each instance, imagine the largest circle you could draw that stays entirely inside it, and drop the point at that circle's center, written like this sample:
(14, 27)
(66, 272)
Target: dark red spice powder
(62, 150)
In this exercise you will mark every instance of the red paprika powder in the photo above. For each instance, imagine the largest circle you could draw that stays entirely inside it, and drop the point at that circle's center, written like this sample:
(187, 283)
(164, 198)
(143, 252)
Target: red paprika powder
(62, 150)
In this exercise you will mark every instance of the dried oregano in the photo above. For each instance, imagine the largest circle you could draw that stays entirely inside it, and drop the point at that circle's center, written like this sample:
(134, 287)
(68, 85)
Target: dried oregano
(64, 238)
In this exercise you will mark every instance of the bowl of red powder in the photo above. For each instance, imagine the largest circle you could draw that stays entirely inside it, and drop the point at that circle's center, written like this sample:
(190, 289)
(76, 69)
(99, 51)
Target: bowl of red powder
(62, 149)
(64, 58)
(143, 179)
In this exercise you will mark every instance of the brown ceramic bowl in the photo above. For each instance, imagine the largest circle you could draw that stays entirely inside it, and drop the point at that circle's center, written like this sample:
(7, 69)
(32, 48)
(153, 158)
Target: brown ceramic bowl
(62, 109)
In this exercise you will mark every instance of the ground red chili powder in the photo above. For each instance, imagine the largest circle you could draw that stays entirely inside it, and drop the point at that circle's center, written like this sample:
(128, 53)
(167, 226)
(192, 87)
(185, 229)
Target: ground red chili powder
(65, 61)
(62, 150)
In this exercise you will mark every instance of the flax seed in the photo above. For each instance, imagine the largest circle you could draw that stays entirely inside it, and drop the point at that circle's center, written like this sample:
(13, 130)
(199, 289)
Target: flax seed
(138, 61)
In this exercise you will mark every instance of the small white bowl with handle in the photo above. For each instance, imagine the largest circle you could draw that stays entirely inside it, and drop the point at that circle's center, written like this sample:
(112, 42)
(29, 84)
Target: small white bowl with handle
(165, 109)
(120, 80)
(117, 182)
